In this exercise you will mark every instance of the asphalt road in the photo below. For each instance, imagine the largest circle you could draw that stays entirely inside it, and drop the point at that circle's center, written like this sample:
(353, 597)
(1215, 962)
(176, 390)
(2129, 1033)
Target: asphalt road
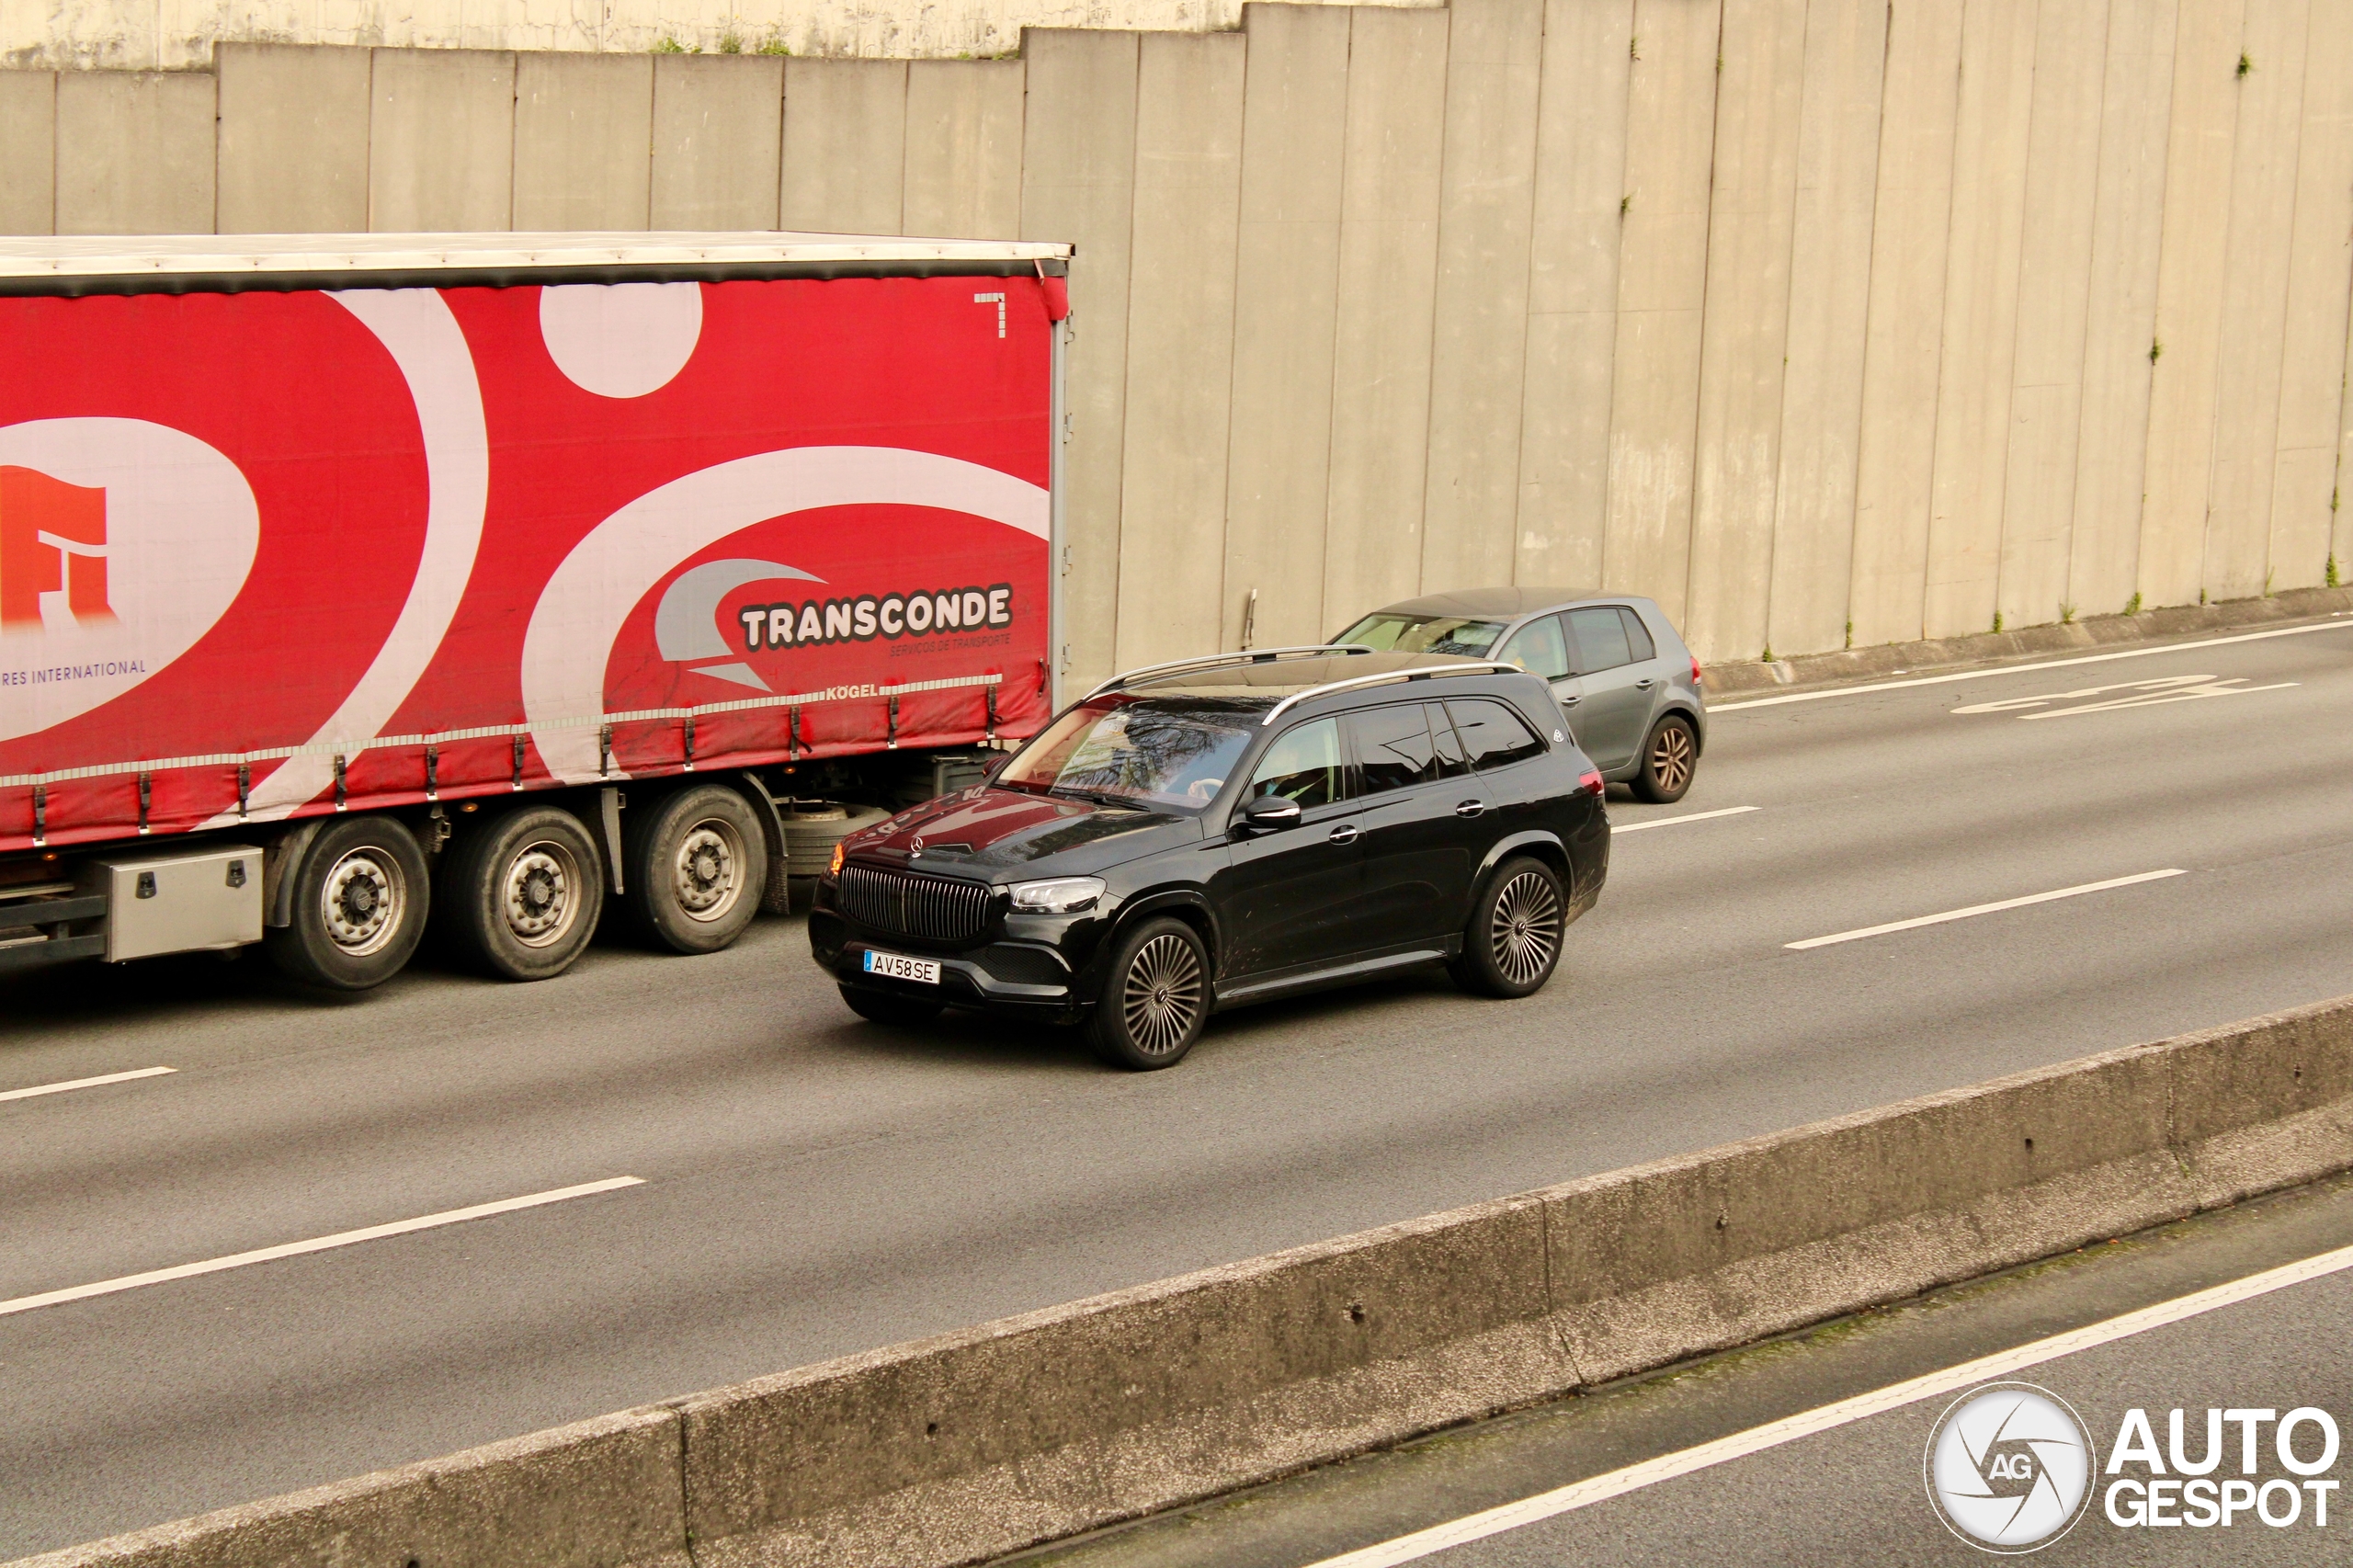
(1854, 1492)
(813, 1186)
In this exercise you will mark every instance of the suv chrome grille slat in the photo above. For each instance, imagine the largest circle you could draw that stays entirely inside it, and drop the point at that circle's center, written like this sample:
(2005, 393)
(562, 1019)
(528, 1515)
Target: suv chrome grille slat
(932, 909)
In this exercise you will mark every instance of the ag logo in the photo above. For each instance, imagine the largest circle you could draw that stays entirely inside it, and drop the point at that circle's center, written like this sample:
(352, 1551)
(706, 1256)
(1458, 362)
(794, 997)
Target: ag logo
(2009, 1467)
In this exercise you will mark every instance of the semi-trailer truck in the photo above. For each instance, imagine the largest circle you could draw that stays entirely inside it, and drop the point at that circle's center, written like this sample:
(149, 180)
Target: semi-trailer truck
(353, 585)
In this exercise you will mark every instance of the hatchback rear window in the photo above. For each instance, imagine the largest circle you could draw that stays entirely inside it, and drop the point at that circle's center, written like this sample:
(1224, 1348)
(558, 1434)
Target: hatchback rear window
(1464, 635)
(1493, 734)
(1600, 639)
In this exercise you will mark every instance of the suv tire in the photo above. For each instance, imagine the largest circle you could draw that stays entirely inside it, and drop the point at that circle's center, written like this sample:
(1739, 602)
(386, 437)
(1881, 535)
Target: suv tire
(1156, 997)
(1512, 941)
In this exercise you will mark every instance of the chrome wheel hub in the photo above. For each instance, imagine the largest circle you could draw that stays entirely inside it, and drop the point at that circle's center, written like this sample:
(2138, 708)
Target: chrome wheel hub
(361, 900)
(707, 873)
(540, 895)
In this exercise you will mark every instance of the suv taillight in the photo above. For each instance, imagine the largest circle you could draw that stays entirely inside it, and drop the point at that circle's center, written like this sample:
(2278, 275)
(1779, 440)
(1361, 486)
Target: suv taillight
(1592, 780)
(1695, 677)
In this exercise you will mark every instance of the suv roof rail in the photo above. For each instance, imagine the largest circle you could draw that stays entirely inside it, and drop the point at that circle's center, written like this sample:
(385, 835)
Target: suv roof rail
(1483, 666)
(1213, 661)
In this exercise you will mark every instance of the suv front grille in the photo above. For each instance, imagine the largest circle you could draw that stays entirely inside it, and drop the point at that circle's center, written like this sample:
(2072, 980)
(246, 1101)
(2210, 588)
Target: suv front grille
(933, 909)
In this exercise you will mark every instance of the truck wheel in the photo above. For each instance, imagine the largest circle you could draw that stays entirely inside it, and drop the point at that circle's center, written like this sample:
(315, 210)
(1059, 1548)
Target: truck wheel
(697, 868)
(520, 894)
(359, 902)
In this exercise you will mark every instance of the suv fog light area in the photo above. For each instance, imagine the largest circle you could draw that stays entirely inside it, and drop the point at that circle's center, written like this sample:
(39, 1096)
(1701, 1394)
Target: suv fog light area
(1057, 895)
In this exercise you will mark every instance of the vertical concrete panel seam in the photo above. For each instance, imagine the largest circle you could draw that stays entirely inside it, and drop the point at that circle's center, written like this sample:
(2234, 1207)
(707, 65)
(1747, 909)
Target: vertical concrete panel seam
(2083, 371)
(1528, 281)
(2214, 405)
(1429, 370)
(1232, 327)
(1707, 249)
(1788, 295)
(1879, 183)
(1937, 391)
(1127, 350)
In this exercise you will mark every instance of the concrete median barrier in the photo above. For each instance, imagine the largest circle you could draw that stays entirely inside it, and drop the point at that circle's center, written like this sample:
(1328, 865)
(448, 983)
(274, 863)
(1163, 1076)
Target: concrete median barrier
(968, 1445)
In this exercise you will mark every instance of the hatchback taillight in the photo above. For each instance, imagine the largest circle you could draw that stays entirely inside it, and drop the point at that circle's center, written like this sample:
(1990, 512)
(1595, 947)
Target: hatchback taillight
(1695, 677)
(1592, 781)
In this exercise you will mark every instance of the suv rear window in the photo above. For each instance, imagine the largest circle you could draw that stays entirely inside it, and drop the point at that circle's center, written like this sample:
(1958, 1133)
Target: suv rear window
(1492, 732)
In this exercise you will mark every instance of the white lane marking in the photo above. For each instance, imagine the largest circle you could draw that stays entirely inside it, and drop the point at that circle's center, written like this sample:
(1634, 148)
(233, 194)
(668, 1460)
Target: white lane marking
(321, 1244)
(1715, 707)
(1773, 1434)
(1669, 822)
(1986, 908)
(83, 1083)
(2146, 694)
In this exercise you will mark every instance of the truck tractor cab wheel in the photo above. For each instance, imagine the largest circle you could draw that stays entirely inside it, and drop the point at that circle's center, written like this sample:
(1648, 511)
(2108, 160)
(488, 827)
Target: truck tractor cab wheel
(695, 867)
(520, 894)
(357, 903)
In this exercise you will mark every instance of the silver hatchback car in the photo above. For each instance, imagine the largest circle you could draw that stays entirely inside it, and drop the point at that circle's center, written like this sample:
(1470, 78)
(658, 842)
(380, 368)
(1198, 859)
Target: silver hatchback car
(1631, 691)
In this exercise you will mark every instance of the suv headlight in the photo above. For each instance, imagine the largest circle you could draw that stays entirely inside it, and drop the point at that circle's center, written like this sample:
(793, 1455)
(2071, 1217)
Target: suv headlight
(1057, 895)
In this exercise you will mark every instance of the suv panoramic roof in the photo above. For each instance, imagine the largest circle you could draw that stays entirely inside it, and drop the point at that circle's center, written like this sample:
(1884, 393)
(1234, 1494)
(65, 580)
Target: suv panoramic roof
(1492, 602)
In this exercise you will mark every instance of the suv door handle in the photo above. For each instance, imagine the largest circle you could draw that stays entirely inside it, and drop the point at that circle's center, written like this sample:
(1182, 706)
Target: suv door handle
(1469, 808)
(1643, 685)
(1345, 834)
(1569, 701)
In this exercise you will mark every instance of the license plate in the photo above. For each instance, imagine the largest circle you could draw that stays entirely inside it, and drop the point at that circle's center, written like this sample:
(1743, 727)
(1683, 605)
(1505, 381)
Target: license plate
(898, 966)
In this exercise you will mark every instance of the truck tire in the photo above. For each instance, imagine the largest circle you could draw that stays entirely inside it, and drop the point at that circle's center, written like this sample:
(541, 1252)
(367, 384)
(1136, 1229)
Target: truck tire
(696, 868)
(359, 902)
(520, 893)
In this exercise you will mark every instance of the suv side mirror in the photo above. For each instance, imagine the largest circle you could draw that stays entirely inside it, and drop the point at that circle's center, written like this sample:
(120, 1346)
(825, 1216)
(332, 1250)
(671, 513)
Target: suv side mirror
(995, 765)
(1269, 813)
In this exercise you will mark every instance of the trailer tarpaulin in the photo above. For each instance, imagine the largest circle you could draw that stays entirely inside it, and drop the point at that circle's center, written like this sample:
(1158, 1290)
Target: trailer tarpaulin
(274, 552)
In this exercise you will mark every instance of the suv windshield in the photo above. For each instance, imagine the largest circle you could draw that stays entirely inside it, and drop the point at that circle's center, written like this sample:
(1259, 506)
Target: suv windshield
(1148, 754)
(1457, 634)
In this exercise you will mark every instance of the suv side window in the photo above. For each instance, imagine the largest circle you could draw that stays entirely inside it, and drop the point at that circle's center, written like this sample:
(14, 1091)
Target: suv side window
(1539, 649)
(1394, 748)
(1494, 735)
(1304, 765)
(1638, 636)
(1601, 638)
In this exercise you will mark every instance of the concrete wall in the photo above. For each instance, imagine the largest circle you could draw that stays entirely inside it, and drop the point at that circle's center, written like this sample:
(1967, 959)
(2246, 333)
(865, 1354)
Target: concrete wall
(1373, 300)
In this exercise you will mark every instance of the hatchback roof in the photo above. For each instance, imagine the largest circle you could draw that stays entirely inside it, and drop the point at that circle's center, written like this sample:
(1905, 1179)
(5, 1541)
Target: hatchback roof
(1489, 601)
(1275, 681)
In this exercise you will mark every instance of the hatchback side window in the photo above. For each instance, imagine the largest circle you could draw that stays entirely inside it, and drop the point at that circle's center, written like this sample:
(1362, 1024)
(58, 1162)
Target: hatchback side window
(1638, 636)
(1394, 748)
(1451, 763)
(1304, 765)
(1539, 649)
(1600, 639)
(1494, 735)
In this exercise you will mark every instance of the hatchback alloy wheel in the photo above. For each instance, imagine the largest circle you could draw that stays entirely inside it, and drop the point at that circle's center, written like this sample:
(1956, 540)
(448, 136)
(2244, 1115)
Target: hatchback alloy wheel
(1669, 758)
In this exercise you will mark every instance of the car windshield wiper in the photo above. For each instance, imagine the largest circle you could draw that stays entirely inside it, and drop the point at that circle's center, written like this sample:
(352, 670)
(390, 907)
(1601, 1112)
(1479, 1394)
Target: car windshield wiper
(1099, 797)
